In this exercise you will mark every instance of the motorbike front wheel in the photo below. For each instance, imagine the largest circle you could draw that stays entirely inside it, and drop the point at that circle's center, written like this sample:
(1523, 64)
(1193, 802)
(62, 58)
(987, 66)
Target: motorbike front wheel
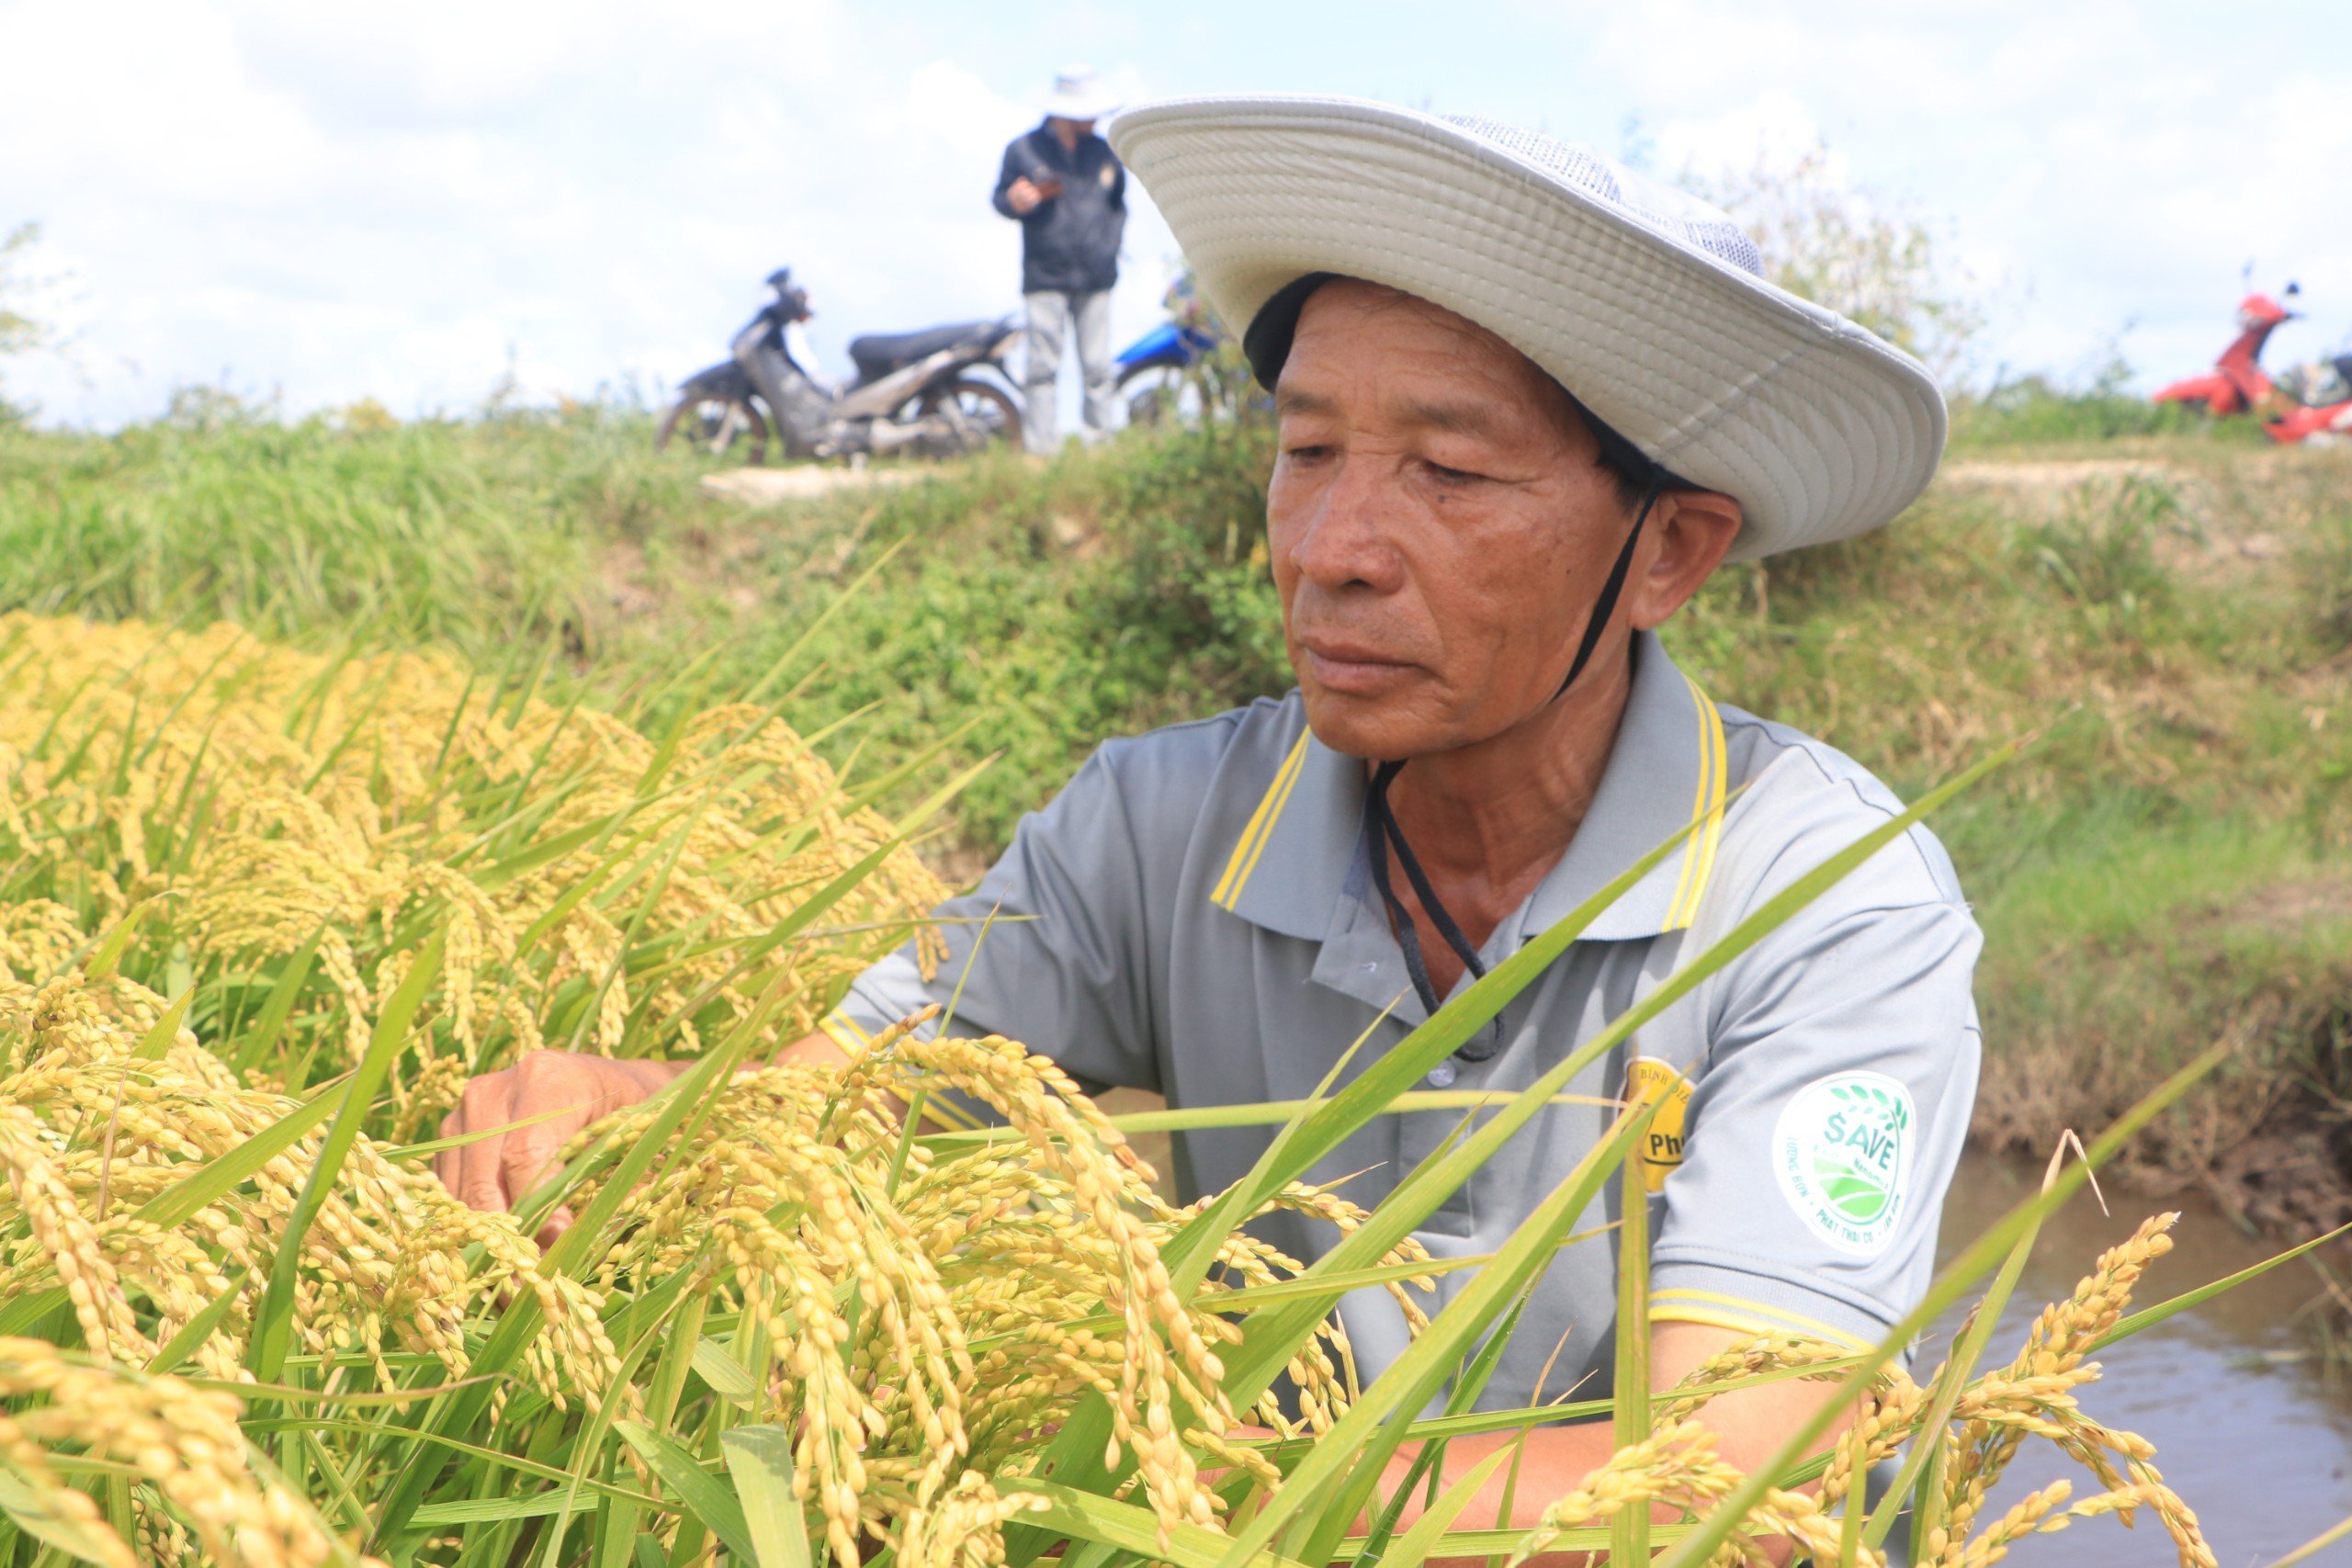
(986, 415)
(714, 425)
(1162, 393)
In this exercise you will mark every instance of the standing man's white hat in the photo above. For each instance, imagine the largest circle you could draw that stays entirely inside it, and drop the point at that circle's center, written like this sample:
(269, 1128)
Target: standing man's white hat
(1646, 304)
(1078, 94)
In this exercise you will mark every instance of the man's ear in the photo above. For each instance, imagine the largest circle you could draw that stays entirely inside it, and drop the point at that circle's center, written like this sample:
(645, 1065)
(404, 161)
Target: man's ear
(1689, 531)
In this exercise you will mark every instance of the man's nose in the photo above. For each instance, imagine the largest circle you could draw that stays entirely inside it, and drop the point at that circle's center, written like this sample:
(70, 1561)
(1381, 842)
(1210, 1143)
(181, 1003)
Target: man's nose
(1345, 542)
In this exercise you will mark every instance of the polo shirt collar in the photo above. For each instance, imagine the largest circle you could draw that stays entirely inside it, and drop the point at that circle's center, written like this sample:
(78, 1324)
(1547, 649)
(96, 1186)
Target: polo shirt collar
(1294, 859)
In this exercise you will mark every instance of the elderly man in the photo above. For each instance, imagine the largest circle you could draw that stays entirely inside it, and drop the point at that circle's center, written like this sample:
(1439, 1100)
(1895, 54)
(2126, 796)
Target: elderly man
(1528, 404)
(1071, 195)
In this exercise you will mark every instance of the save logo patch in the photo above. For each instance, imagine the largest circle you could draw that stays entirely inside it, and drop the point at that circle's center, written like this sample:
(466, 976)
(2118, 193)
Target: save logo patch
(1842, 1151)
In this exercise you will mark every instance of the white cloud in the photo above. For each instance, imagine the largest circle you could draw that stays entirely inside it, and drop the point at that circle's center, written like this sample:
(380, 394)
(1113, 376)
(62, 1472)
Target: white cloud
(346, 201)
(1773, 129)
(341, 203)
(2095, 163)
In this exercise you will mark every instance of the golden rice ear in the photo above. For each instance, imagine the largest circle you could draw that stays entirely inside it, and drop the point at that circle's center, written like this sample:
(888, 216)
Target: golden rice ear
(919, 1313)
(182, 1441)
(342, 798)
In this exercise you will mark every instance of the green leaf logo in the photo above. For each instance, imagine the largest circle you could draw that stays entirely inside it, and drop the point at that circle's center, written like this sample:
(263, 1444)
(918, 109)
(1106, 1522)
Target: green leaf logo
(1842, 1151)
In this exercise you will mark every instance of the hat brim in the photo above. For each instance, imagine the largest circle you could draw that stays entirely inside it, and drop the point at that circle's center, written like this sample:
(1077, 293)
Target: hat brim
(1818, 428)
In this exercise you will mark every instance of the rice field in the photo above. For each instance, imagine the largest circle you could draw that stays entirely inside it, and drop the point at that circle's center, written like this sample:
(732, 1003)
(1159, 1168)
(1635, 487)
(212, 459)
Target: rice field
(263, 910)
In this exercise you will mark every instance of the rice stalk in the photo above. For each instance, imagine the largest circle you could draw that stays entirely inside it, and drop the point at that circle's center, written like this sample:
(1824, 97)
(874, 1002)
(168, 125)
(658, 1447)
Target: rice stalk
(227, 805)
(278, 841)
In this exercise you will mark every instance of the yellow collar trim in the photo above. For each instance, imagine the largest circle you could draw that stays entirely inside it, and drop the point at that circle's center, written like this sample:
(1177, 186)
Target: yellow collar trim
(1252, 843)
(1697, 855)
(1706, 809)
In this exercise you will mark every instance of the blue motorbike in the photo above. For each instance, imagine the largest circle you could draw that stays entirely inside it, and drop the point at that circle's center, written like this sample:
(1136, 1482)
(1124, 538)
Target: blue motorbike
(1166, 374)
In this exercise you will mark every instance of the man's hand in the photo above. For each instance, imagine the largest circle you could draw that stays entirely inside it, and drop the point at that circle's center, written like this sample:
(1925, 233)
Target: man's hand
(571, 1091)
(1749, 1424)
(495, 1171)
(1022, 196)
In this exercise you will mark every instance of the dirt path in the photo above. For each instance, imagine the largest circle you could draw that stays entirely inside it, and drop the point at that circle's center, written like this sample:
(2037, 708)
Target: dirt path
(770, 486)
(2055, 474)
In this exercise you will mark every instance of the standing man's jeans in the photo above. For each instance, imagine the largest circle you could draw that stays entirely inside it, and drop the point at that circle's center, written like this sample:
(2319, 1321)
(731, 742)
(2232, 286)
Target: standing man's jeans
(1049, 322)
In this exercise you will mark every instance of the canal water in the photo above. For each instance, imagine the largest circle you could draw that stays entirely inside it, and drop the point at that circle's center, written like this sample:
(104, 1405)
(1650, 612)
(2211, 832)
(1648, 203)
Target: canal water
(2246, 1426)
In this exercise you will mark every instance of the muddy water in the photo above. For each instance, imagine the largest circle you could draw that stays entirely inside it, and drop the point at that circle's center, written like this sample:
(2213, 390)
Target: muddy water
(2244, 1428)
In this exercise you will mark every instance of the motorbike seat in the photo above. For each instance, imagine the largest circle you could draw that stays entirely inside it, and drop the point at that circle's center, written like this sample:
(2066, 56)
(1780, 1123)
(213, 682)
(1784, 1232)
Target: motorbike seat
(878, 354)
(2322, 383)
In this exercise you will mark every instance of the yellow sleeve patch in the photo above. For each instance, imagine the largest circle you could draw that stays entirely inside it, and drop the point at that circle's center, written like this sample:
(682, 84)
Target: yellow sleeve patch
(1660, 1150)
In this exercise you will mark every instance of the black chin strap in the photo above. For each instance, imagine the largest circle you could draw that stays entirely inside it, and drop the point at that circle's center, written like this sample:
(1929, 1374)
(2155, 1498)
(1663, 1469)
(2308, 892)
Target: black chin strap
(1382, 829)
(1604, 609)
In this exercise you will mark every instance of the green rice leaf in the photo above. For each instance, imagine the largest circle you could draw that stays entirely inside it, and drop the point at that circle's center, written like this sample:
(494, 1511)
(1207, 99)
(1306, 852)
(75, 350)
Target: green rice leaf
(198, 1328)
(261, 1041)
(760, 1459)
(32, 1516)
(1427, 1465)
(166, 1028)
(1629, 1529)
(728, 1378)
(705, 1495)
(1416, 1375)
(216, 1179)
(1088, 1516)
(110, 950)
(1413, 1548)
(273, 1320)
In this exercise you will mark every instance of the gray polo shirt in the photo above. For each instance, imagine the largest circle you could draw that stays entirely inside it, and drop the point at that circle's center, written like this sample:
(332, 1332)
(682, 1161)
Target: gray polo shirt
(1203, 923)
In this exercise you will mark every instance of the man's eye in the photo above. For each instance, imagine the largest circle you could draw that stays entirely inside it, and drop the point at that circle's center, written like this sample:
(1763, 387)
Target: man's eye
(1454, 476)
(1305, 452)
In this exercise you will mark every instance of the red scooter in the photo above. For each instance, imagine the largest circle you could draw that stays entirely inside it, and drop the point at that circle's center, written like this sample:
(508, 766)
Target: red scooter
(2309, 400)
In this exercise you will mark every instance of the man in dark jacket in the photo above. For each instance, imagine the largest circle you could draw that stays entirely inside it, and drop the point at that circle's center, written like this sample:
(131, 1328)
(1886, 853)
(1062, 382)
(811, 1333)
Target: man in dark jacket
(1071, 195)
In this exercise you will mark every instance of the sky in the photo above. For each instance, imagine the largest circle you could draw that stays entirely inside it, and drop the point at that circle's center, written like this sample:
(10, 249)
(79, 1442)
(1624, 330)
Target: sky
(321, 203)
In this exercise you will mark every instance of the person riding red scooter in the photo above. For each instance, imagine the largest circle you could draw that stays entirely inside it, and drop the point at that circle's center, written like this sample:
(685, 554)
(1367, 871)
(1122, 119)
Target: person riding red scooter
(2313, 400)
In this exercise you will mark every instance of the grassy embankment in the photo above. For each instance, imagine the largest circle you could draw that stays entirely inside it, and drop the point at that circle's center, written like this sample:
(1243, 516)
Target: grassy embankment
(2172, 863)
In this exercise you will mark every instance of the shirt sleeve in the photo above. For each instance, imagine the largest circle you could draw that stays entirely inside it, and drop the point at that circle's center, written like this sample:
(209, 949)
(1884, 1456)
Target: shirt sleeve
(1826, 1124)
(1052, 948)
(1007, 173)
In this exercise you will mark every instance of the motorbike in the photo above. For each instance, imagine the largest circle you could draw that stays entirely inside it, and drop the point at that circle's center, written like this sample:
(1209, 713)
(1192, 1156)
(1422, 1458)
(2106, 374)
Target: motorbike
(2308, 402)
(1168, 373)
(925, 393)
(1156, 371)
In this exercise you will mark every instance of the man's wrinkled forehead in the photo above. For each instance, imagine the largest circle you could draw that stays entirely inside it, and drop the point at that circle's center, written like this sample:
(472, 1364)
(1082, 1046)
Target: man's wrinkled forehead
(1487, 381)
(1445, 415)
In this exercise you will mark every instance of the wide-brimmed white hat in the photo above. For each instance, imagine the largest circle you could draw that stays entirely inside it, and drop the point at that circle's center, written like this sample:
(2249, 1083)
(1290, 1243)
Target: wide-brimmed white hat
(1646, 303)
(1078, 95)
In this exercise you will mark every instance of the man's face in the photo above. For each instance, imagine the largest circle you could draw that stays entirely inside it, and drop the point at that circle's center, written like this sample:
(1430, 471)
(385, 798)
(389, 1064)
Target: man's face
(1439, 524)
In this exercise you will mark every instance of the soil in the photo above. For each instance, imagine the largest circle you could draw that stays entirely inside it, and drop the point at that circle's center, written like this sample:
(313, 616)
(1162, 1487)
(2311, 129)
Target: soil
(770, 486)
(2053, 475)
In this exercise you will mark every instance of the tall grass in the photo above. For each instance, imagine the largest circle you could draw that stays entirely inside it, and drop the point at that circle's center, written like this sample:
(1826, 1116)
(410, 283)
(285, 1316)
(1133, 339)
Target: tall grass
(2034, 408)
(414, 533)
(241, 1323)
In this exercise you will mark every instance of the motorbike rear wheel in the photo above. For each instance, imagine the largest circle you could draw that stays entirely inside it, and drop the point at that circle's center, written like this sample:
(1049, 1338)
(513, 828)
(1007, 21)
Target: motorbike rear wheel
(712, 425)
(988, 412)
